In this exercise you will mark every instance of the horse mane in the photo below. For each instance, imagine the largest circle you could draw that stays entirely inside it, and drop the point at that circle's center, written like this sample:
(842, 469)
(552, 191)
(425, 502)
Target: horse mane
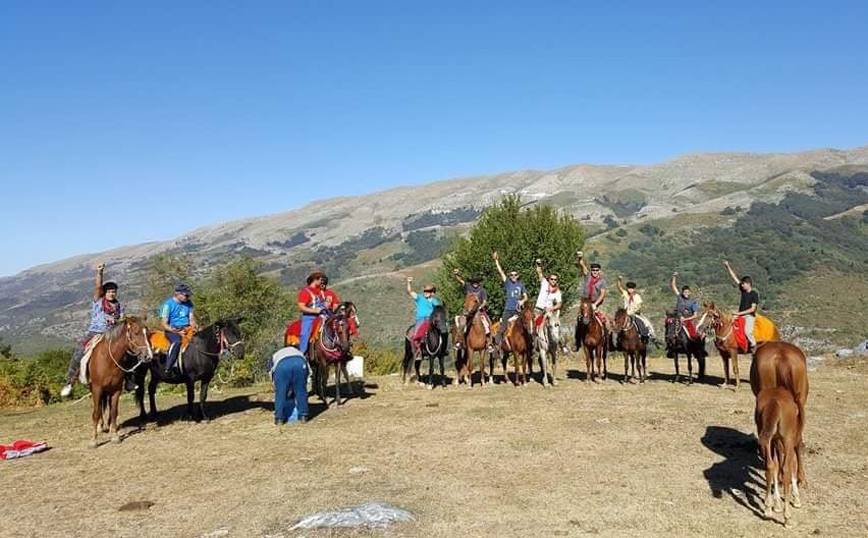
(118, 328)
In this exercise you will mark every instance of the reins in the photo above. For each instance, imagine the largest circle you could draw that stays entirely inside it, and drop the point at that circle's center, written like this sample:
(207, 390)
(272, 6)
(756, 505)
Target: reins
(136, 349)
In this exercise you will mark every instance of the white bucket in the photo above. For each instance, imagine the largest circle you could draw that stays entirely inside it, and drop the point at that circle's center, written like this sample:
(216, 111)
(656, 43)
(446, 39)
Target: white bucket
(356, 367)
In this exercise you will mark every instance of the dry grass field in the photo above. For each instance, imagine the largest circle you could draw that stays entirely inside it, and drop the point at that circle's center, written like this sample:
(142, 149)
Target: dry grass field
(658, 459)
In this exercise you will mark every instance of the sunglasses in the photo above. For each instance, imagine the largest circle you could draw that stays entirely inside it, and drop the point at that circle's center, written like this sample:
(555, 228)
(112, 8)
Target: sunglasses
(427, 291)
(513, 274)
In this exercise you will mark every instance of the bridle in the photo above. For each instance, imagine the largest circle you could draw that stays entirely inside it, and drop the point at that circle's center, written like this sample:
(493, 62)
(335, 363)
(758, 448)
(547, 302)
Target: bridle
(133, 349)
(340, 320)
(428, 350)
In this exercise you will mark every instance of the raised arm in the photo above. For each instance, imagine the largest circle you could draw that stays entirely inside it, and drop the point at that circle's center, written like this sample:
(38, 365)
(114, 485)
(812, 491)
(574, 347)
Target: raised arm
(621, 285)
(580, 263)
(496, 259)
(457, 274)
(673, 283)
(97, 288)
(538, 266)
(731, 272)
(410, 291)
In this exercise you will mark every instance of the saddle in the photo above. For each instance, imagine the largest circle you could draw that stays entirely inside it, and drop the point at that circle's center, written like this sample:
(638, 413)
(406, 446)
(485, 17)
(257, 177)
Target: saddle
(740, 335)
(160, 344)
(292, 336)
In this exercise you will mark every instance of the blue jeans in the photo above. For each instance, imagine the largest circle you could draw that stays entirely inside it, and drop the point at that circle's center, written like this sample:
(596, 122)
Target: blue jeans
(174, 348)
(290, 375)
(306, 328)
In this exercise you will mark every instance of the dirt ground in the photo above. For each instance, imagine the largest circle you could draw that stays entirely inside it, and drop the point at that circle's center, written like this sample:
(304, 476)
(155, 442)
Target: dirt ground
(658, 459)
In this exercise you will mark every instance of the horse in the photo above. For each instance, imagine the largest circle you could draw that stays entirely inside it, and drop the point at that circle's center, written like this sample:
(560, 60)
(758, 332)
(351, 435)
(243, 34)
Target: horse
(518, 341)
(778, 433)
(332, 348)
(547, 334)
(110, 359)
(679, 342)
(780, 364)
(470, 339)
(434, 345)
(725, 341)
(197, 363)
(593, 336)
(631, 344)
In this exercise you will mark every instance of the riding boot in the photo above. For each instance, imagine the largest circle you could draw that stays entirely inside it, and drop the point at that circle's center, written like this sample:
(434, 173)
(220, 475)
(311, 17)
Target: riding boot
(129, 382)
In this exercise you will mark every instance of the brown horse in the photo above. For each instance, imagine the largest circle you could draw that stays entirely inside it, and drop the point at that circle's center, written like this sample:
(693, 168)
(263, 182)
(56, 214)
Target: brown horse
(592, 335)
(518, 341)
(121, 350)
(470, 339)
(332, 348)
(780, 364)
(778, 433)
(723, 325)
(634, 349)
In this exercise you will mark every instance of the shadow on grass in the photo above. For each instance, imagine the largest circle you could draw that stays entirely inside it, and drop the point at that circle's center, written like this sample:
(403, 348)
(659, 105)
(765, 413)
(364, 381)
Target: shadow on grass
(738, 475)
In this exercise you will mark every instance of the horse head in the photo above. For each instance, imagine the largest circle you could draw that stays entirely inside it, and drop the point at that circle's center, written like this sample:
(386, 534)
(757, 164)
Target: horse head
(349, 309)
(527, 318)
(585, 311)
(713, 313)
(439, 319)
(338, 329)
(622, 320)
(228, 333)
(136, 335)
(471, 305)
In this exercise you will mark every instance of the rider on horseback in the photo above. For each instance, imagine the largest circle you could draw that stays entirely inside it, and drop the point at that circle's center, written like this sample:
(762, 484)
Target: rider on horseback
(312, 304)
(549, 299)
(105, 311)
(473, 286)
(516, 296)
(177, 317)
(686, 308)
(594, 286)
(425, 304)
(332, 301)
(748, 305)
(633, 306)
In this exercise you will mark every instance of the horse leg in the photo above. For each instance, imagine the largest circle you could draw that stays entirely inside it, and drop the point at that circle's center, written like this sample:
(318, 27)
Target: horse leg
(405, 364)
(690, 368)
(724, 355)
(442, 359)
(338, 384)
(105, 419)
(152, 391)
(114, 400)
(544, 363)
(203, 395)
(96, 395)
(191, 394)
(735, 367)
(554, 353)
(140, 397)
(626, 365)
(431, 372)
(482, 357)
(589, 364)
(677, 373)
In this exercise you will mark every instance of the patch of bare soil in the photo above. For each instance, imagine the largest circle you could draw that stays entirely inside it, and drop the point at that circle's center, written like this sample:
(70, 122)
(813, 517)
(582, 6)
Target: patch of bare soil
(658, 459)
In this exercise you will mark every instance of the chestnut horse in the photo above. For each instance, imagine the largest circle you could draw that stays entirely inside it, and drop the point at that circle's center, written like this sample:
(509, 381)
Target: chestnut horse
(122, 349)
(470, 339)
(634, 349)
(780, 364)
(591, 334)
(778, 433)
(723, 325)
(518, 341)
(332, 348)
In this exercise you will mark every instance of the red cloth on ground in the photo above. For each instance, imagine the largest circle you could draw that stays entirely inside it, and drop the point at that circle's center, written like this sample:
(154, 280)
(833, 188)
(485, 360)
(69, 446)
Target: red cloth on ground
(19, 449)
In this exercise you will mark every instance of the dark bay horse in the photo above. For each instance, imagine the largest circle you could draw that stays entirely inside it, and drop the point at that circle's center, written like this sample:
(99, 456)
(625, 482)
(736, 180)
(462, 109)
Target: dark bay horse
(121, 350)
(332, 349)
(435, 345)
(592, 335)
(780, 364)
(518, 341)
(199, 362)
(679, 343)
(631, 344)
(470, 337)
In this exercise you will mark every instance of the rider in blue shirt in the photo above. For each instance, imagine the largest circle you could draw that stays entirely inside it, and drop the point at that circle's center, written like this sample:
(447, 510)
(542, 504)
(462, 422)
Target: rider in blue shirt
(176, 314)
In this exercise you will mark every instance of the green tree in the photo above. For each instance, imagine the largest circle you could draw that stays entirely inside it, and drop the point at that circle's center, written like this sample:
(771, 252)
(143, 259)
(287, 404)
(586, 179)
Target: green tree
(520, 236)
(237, 289)
(162, 274)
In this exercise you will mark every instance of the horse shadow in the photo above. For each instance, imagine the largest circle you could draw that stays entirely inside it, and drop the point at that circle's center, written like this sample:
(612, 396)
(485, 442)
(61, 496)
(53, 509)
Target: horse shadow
(712, 380)
(215, 409)
(739, 474)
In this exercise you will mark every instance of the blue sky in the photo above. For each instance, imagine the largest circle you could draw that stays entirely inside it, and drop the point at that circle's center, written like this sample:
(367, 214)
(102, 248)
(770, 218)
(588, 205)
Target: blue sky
(122, 122)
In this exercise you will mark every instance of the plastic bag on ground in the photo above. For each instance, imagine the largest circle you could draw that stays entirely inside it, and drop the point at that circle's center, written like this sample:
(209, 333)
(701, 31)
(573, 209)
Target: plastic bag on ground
(365, 515)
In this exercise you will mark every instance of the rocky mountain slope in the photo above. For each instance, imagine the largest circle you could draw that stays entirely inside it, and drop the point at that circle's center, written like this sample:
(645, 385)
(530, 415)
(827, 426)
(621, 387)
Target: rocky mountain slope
(405, 226)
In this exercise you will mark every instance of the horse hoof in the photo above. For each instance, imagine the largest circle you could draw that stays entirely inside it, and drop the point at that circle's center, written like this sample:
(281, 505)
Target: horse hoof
(797, 503)
(93, 444)
(116, 438)
(430, 387)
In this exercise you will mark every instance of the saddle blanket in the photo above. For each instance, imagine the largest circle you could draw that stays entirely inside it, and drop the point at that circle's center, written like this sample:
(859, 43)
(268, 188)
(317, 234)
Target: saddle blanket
(292, 336)
(160, 344)
(83, 374)
(764, 329)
